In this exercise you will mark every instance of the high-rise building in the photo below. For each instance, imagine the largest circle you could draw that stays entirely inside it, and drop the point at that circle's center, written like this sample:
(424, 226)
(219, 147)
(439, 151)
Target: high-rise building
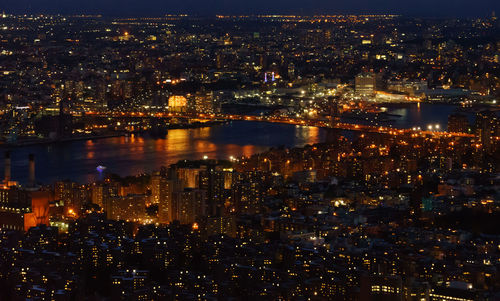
(14, 203)
(485, 129)
(97, 194)
(248, 192)
(161, 194)
(130, 208)
(365, 84)
(458, 123)
(189, 176)
(177, 103)
(63, 191)
(213, 181)
(221, 225)
(188, 205)
(204, 102)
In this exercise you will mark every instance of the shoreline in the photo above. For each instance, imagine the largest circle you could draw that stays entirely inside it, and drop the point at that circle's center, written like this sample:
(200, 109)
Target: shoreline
(44, 141)
(47, 141)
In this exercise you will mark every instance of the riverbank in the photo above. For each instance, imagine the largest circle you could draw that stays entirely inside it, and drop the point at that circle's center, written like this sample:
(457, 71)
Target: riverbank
(141, 153)
(44, 141)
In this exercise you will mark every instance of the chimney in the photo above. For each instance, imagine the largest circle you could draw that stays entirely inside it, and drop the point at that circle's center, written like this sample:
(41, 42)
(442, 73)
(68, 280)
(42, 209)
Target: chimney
(31, 181)
(7, 167)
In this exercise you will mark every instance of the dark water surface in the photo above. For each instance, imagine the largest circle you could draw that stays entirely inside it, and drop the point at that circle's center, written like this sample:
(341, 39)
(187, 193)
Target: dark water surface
(77, 160)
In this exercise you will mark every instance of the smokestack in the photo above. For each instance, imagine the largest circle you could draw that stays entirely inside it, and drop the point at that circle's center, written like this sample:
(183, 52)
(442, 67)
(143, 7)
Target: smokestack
(7, 167)
(31, 181)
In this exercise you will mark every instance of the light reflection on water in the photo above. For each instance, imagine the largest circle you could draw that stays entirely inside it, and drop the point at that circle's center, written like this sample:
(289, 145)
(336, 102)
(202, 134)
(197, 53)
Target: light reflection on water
(78, 160)
(413, 115)
(131, 155)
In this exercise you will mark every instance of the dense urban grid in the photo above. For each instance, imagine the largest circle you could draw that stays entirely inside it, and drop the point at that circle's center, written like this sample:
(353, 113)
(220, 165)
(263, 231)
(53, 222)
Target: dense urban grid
(375, 212)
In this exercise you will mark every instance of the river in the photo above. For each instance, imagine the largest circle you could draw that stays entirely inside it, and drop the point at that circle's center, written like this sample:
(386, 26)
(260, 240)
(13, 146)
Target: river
(77, 160)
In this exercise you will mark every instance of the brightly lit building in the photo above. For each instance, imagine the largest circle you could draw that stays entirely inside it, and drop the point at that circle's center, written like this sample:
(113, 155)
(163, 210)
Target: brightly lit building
(177, 103)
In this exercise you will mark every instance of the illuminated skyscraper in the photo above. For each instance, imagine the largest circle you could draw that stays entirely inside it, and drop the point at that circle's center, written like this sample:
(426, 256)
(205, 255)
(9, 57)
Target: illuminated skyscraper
(204, 102)
(188, 205)
(213, 182)
(161, 194)
(485, 127)
(177, 103)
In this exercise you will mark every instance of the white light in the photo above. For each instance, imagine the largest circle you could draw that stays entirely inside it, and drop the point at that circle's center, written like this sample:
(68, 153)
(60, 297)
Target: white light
(437, 126)
(429, 127)
(205, 157)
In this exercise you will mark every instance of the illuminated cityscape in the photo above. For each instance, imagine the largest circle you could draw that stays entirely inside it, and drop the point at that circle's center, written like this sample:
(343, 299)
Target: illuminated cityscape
(240, 156)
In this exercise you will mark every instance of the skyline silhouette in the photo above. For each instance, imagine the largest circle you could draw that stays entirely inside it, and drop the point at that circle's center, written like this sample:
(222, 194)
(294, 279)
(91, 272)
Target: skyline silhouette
(423, 8)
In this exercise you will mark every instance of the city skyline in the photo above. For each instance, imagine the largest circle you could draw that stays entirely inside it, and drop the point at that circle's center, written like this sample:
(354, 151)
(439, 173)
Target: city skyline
(266, 157)
(424, 8)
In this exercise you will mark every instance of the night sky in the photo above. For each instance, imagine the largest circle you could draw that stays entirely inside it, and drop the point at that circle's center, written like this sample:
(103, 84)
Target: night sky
(429, 8)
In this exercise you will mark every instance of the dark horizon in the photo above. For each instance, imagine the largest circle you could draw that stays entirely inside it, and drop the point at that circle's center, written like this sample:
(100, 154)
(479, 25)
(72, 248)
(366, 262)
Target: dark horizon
(424, 8)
